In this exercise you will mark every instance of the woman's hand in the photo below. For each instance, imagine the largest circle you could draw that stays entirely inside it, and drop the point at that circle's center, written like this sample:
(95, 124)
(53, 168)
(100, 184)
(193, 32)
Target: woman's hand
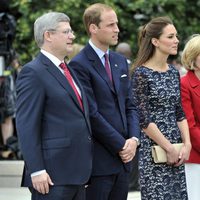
(172, 155)
(184, 154)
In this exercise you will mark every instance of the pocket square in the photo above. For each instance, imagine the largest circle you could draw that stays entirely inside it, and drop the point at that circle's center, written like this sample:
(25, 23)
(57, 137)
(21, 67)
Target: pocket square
(123, 75)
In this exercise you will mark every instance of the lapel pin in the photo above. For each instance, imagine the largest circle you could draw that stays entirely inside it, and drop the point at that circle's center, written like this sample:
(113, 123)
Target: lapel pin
(116, 65)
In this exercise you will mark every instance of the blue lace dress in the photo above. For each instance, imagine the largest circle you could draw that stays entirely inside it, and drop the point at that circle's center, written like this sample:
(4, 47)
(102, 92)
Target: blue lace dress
(157, 96)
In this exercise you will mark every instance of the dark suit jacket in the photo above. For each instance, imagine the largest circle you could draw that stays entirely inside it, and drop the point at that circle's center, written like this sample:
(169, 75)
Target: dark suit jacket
(190, 92)
(113, 116)
(54, 132)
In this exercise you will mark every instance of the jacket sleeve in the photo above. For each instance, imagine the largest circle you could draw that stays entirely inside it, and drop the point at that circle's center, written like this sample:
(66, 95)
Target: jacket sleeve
(30, 99)
(189, 112)
(132, 114)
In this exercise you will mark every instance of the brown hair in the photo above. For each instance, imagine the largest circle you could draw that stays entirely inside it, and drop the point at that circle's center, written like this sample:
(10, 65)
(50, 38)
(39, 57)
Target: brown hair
(153, 29)
(92, 15)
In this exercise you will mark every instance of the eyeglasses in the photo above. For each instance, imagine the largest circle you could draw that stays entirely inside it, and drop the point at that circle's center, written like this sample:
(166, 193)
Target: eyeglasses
(66, 32)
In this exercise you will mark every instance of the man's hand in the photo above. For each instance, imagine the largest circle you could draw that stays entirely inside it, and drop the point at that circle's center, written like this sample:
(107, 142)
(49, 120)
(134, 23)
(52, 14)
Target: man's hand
(41, 183)
(128, 151)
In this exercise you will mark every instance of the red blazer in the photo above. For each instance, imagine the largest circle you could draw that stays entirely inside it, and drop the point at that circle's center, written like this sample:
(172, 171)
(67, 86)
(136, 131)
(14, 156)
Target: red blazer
(190, 92)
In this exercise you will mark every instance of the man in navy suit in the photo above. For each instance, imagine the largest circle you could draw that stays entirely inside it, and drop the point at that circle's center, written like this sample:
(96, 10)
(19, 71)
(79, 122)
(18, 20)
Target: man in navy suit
(53, 117)
(114, 119)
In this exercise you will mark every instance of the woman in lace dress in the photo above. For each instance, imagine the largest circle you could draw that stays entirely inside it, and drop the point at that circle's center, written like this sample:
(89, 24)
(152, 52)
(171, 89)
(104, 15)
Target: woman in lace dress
(156, 92)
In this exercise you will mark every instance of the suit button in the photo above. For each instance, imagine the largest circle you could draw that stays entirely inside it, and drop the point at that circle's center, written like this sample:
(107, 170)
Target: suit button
(89, 138)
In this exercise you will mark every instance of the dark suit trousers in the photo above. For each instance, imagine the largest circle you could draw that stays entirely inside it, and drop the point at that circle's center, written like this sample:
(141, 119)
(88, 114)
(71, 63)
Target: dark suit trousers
(134, 176)
(111, 187)
(61, 193)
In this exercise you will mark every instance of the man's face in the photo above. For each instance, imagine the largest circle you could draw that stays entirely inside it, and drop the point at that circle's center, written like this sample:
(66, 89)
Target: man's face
(107, 30)
(62, 39)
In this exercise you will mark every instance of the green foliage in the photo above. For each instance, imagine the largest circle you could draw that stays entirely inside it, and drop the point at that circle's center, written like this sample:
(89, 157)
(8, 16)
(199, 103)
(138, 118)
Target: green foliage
(131, 14)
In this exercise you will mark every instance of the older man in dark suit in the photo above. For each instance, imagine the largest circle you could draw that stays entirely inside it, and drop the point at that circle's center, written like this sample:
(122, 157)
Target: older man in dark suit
(52, 117)
(104, 76)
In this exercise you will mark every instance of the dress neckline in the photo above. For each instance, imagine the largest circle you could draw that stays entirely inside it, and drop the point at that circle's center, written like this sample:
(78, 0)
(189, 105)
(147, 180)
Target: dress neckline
(157, 70)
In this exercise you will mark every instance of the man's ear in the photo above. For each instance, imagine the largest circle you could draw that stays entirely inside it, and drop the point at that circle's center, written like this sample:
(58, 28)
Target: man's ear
(154, 42)
(93, 28)
(47, 35)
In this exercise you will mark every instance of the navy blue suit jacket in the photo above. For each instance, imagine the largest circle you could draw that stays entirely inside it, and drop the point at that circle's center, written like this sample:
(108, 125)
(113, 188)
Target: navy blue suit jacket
(54, 132)
(112, 113)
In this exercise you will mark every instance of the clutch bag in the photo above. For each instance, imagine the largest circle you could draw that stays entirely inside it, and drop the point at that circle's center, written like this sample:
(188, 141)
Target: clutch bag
(159, 154)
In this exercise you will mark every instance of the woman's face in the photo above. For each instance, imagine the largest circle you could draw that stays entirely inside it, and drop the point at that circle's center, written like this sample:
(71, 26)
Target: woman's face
(168, 41)
(197, 63)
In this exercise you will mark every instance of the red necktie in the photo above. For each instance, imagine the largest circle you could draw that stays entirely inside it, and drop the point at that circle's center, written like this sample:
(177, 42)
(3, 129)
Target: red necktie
(69, 78)
(107, 67)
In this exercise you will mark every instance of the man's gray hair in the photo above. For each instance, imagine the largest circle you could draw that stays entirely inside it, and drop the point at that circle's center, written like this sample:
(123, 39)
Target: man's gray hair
(48, 21)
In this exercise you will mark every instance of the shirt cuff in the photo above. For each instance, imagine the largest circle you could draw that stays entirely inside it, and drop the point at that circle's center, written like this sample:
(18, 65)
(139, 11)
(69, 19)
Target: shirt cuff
(38, 173)
(137, 140)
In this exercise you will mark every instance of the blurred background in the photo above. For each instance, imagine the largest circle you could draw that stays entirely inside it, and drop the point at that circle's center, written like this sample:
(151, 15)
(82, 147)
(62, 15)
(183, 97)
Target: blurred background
(131, 15)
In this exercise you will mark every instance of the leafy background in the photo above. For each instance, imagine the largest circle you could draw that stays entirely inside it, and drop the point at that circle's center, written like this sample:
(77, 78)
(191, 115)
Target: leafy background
(131, 15)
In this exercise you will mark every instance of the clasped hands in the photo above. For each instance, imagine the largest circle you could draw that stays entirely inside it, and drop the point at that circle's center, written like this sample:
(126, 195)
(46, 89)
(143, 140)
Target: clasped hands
(128, 151)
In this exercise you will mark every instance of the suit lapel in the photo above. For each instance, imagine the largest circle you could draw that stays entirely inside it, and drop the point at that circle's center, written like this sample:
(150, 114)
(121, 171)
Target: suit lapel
(115, 72)
(52, 69)
(98, 66)
(194, 82)
(83, 96)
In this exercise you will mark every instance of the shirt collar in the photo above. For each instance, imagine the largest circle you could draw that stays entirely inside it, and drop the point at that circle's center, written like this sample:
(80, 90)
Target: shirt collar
(51, 57)
(98, 51)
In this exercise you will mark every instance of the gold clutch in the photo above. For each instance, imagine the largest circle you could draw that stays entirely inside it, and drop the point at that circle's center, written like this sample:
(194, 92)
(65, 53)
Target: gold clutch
(159, 154)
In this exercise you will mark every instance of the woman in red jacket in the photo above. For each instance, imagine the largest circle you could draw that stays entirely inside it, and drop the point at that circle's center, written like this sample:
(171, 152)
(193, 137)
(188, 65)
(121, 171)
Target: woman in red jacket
(190, 91)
